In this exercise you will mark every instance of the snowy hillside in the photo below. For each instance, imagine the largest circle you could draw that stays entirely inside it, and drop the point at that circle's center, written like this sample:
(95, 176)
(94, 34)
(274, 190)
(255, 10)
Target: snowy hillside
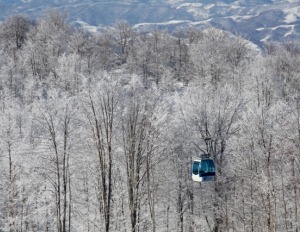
(260, 21)
(99, 130)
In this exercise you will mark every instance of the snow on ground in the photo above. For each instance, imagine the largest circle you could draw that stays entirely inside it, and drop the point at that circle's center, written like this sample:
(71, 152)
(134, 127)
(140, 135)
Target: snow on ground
(171, 22)
(281, 26)
(82, 23)
(266, 39)
(201, 22)
(239, 18)
(291, 31)
(189, 5)
(209, 6)
(92, 29)
(292, 14)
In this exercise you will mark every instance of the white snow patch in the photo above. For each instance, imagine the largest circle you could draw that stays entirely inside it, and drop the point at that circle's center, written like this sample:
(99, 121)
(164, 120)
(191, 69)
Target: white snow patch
(290, 18)
(209, 6)
(291, 31)
(253, 46)
(266, 38)
(171, 22)
(92, 29)
(198, 13)
(234, 7)
(280, 26)
(175, 22)
(196, 9)
(197, 5)
(82, 23)
(88, 27)
(239, 18)
(292, 14)
(201, 22)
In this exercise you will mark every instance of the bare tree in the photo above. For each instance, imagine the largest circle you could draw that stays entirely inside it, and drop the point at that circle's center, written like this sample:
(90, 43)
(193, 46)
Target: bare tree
(55, 124)
(141, 130)
(123, 35)
(216, 118)
(14, 31)
(47, 41)
(101, 113)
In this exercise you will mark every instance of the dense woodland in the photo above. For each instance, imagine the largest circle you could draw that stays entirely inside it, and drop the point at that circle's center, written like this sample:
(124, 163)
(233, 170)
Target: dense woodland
(98, 130)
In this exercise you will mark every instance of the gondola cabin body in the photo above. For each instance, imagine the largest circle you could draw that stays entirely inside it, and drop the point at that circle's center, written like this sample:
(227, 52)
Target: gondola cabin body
(203, 170)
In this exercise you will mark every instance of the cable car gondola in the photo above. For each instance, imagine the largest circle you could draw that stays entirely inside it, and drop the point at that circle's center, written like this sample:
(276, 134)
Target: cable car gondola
(203, 169)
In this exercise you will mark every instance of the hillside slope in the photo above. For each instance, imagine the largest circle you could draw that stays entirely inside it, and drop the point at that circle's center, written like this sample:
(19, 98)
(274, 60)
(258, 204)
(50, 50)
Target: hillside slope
(259, 21)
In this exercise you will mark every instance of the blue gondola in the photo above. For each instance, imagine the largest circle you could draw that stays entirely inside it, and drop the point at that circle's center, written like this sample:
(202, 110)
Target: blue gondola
(203, 169)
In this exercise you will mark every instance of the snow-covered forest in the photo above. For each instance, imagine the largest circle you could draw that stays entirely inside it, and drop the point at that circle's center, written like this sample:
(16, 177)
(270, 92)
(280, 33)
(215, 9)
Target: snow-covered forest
(98, 130)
